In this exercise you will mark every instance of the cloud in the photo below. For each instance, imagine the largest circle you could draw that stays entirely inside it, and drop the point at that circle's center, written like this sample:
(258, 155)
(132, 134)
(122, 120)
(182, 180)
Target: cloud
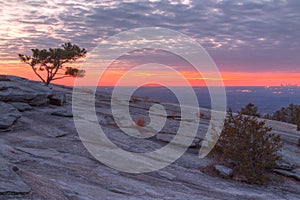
(256, 35)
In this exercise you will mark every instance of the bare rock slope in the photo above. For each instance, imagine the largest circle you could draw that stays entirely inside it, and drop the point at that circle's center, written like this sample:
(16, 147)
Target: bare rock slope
(42, 156)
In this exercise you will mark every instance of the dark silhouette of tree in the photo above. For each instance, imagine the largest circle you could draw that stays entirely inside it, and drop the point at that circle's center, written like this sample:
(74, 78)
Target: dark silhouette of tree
(52, 61)
(250, 109)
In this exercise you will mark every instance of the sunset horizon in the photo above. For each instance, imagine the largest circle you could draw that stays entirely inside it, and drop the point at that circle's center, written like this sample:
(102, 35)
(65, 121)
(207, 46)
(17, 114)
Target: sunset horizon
(229, 78)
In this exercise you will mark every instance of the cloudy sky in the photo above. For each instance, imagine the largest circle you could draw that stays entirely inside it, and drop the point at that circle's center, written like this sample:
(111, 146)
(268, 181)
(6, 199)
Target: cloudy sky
(252, 42)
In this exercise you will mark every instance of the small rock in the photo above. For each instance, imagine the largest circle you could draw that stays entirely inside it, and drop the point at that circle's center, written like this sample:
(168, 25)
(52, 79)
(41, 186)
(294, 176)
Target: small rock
(224, 171)
(8, 116)
(63, 113)
(21, 106)
(57, 98)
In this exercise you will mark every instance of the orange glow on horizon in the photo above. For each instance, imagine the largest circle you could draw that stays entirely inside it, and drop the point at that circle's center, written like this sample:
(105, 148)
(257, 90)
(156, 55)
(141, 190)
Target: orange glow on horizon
(111, 76)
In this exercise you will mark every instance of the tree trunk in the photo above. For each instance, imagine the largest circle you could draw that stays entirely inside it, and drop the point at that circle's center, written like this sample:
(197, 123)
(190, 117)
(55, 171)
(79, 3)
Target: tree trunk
(48, 82)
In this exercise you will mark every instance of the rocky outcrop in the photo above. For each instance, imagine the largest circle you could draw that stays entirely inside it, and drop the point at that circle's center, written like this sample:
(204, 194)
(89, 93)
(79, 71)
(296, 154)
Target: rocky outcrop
(19, 94)
(15, 89)
(223, 171)
(52, 163)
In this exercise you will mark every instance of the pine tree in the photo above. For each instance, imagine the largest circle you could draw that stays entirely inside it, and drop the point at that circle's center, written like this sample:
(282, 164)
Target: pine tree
(54, 60)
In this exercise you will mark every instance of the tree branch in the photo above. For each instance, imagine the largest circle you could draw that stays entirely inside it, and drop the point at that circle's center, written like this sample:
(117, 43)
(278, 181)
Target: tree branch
(34, 70)
(56, 70)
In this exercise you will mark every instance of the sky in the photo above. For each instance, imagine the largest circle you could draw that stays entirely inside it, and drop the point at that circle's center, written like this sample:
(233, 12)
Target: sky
(253, 42)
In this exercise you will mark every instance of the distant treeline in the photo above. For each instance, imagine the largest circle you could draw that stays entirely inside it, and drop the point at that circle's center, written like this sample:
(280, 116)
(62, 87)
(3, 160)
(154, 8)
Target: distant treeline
(289, 114)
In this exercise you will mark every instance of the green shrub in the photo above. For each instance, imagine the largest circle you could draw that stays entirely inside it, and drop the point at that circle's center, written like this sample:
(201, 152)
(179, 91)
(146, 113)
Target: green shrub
(247, 145)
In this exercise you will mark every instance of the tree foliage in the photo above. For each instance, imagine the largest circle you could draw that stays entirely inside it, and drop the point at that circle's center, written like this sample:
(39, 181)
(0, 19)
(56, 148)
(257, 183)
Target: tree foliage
(289, 114)
(52, 61)
(250, 109)
(247, 145)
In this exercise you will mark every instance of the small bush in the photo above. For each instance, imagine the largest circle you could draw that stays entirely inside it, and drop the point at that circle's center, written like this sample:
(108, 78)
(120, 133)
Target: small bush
(247, 146)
